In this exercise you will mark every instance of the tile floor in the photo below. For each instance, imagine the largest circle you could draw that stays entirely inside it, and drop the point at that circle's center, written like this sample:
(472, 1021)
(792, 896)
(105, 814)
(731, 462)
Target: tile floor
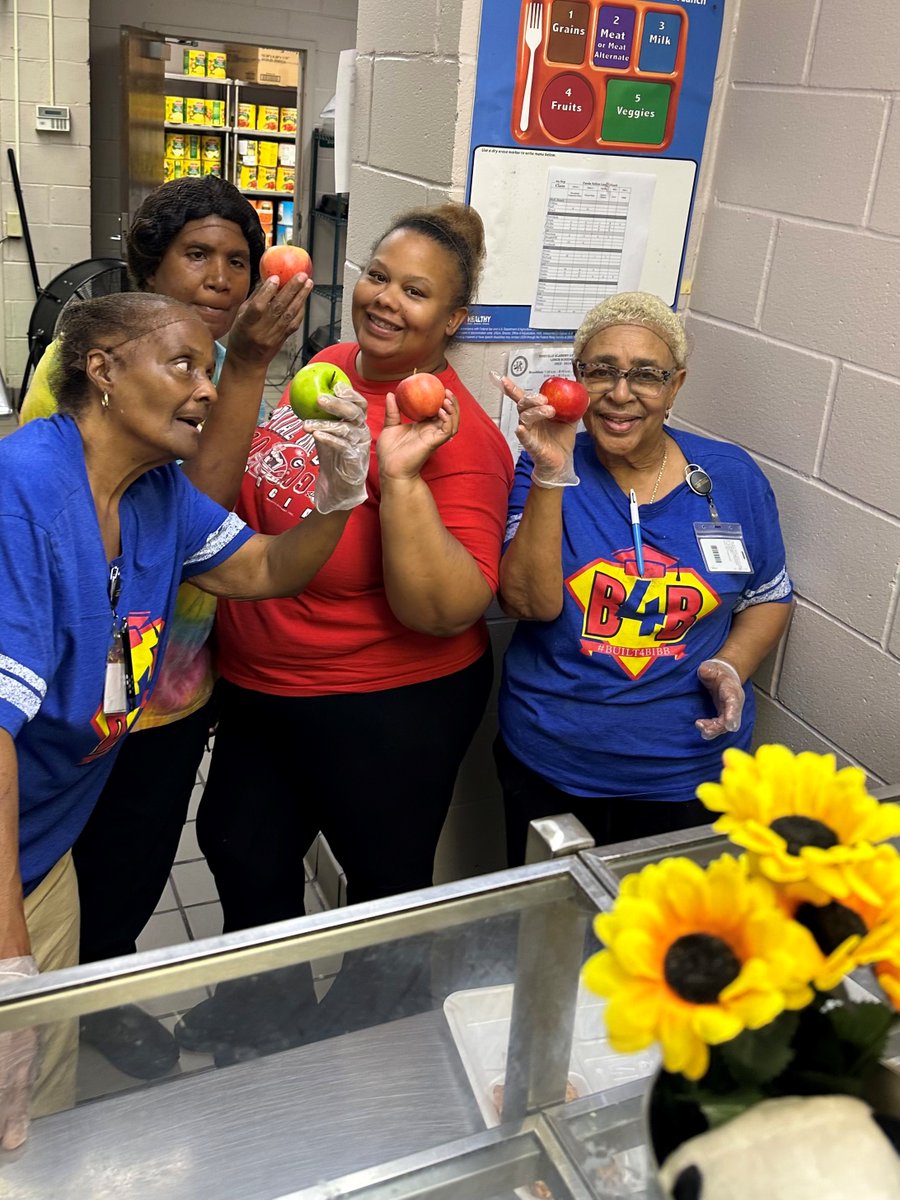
(188, 910)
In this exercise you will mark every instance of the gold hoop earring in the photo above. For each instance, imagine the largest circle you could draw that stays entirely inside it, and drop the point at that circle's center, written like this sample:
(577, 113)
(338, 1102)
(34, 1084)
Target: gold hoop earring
(105, 400)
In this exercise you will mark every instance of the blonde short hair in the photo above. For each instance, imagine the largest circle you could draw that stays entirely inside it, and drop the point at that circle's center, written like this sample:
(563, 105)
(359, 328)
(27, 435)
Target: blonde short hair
(635, 308)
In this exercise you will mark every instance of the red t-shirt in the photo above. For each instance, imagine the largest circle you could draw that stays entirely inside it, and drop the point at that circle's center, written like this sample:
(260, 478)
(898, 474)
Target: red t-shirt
(340, 634)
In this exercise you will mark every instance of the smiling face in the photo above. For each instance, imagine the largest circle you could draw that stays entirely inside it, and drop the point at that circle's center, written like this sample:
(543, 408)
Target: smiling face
(622, 424)
(160, 388)
(206, 265)
(403, 306)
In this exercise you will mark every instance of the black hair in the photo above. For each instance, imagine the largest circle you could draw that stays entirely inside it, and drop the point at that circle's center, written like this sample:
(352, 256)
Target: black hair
(165, 212)
(102, 324)
(460, 230)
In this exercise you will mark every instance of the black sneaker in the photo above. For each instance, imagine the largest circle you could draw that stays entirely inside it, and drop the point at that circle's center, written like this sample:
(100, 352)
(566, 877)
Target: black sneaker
(261, 1012)
(132, 1040)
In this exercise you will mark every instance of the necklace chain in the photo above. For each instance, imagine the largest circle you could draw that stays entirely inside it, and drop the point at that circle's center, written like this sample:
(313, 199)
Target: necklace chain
(662, 467)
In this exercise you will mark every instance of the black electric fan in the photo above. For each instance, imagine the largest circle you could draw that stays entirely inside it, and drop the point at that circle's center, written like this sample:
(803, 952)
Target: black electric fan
(82, 281)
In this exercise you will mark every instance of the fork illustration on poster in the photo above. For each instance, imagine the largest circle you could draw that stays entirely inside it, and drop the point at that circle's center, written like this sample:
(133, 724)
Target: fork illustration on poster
(597, 75)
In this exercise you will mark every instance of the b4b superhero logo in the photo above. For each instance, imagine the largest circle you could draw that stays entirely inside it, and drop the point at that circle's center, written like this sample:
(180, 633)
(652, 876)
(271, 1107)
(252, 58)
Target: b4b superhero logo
(638, 619)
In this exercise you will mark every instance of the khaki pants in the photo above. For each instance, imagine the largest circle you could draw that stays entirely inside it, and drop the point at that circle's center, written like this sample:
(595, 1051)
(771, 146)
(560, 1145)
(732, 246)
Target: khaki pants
(51, 913)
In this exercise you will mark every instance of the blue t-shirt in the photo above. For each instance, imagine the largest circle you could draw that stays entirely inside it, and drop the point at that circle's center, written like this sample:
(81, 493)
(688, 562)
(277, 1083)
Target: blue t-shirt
(56, 619)
(602, 700)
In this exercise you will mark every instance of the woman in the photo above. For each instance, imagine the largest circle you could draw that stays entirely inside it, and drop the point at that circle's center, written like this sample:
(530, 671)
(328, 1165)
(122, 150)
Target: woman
(388, 643)
(198, 241)
(628, 672)
(98, 527)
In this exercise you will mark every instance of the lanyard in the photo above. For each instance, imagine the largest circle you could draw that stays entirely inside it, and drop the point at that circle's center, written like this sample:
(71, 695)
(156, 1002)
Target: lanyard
(118, 684)
(701, 485)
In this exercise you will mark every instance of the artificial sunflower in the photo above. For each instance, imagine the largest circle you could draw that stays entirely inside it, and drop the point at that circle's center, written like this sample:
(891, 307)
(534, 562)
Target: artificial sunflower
(799, 818)
(888, 975)
(694, 957)
(860, 930)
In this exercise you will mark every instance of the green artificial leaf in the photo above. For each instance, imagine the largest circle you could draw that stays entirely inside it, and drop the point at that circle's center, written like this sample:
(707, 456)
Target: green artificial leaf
(863, 1025)
(718, 1111)
(757, 1056)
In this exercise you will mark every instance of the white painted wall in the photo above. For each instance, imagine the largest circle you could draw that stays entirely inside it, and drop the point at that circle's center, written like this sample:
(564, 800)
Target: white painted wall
(54, 167)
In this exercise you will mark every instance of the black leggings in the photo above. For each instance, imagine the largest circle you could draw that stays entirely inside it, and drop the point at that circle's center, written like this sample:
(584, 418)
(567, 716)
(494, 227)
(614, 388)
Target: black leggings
(374, 771)
(125, 852)
(528, 796)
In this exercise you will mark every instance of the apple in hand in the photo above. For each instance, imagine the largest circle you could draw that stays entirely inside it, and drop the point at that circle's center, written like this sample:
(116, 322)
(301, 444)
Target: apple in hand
(420, 396)
(312, 381)
(568, 397)
(285, 262)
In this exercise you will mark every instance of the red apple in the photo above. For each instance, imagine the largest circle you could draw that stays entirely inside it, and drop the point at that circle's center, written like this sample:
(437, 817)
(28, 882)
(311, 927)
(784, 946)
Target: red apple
(420, 396)
(312, 381)
(568, 397)
(285, 262)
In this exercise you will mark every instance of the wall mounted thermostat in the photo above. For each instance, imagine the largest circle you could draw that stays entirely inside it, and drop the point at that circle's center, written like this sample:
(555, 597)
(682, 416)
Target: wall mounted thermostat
(52, 118)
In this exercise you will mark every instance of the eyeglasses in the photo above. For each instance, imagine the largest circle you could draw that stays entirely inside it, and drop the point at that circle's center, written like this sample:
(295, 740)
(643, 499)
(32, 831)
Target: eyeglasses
(641, 381)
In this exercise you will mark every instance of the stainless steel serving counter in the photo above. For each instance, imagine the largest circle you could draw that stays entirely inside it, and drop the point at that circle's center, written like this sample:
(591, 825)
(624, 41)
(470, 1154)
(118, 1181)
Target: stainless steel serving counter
(403, 1108)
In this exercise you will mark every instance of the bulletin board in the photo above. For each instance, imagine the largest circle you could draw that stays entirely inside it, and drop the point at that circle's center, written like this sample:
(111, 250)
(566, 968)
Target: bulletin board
(588, 126)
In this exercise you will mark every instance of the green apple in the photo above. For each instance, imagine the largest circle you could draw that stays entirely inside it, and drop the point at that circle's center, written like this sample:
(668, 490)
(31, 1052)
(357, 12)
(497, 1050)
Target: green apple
(312, 381)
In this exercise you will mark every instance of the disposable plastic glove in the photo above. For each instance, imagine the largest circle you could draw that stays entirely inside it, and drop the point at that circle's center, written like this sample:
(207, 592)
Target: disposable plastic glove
(550, 443)
(343, 449)
(18, 1064)
(725, 687)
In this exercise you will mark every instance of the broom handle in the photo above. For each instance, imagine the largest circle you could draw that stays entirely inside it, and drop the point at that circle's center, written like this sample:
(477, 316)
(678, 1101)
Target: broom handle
(26, 232)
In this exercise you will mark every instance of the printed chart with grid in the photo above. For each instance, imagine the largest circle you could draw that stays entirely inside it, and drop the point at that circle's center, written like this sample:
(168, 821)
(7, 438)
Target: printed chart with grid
(584, 235)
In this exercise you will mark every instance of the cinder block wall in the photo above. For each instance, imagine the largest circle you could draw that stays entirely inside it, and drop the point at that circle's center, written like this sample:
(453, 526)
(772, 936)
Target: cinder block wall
(794, 317)
(54, 167)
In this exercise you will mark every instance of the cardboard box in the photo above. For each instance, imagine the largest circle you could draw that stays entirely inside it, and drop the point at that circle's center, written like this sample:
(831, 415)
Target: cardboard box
(211, 149)
(192, 146)
(267, 155)
(217, 113)
(249, 179)
(264, 65)
(212, 168)
(246, 116)
(267, 178)
(287, 154)
(287, 121)
(175, 110)
(216, 64)
(248, 152)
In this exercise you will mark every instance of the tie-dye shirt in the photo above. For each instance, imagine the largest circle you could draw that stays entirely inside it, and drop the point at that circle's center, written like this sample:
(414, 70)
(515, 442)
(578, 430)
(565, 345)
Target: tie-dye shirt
(186, 677)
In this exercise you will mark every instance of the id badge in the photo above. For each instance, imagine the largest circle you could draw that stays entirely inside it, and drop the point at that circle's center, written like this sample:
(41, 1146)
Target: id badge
(722, 547)
(118, 682)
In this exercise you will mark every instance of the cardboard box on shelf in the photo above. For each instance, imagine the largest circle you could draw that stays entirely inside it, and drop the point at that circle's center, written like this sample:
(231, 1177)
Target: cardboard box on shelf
(193, 168)
(248, 178)
(211, 149)
(246, 116)
(175, 110)
(264, 65)
(287, 154)
(217, 113)
(173, 168)
(248, 151)
(268, 154)
(192, 146)
(267, 177)
(216, 64)
(287, 120)
(211, 168)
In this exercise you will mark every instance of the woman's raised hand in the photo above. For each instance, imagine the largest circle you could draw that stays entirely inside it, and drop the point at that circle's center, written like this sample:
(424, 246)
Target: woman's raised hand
(267, 318)
(343, 447)
(550, 443)
(402, 448)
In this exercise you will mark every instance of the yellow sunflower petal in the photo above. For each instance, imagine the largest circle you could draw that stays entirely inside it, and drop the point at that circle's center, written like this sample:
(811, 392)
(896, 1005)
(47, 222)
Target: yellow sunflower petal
(714, 1025)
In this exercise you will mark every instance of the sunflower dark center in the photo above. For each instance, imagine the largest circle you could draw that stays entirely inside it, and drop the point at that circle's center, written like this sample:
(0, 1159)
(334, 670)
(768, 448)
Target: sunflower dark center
(830, 924)
(804, 831)
(698, 966)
